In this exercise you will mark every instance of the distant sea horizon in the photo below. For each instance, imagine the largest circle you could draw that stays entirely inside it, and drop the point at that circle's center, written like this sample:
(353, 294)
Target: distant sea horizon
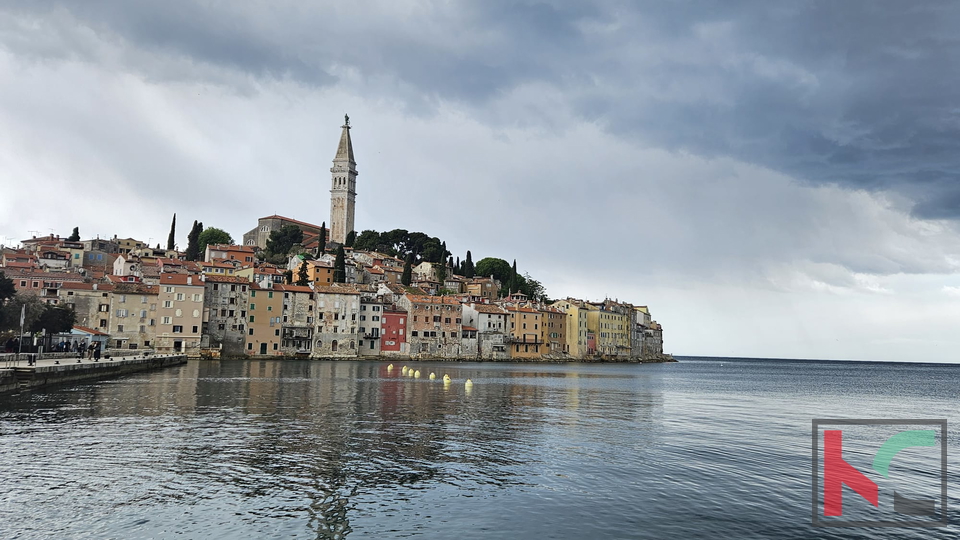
(681, 357)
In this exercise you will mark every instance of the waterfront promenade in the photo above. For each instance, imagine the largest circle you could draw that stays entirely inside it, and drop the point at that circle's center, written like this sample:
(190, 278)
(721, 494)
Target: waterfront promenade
(17, 375)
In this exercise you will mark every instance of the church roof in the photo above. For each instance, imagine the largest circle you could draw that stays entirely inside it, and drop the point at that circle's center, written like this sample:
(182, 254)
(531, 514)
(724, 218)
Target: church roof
(345, 149)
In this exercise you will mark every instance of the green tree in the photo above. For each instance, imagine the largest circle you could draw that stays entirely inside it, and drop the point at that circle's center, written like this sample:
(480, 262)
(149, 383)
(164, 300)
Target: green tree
(322, 239)
(75, 235)
(193, 242)
(7, 288)
(10, 311)
(468, 269)
(302, 278)
(54, 319)
(340, 266)
(441, 272)
(173, 232)
(288, 277)
(407, 277)
(534, 290)
(351, 238)
(492, 266)
(281, 242)
(368, 241)
(212, 236)
(457, 269)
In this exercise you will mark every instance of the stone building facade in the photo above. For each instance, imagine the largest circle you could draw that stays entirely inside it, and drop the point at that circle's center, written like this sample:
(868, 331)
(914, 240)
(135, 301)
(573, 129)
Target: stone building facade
(225, 301)
(337, 324)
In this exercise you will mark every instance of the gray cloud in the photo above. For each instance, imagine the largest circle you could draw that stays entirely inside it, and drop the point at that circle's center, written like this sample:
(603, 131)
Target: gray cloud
(861, 94)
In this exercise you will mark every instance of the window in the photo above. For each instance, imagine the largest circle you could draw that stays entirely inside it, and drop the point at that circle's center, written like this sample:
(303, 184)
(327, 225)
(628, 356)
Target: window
(119, 328)
(275, 345)
(413, 334)
(168, 289)
(270, 294)
(446, 320)
(198, 298)
(276, 332)
(165, 320)
(167, 304)
(195, 329)
(251, 318)
(250, 331)
(363, 317)
(249, 346)
(177, 329)
(104, 307)
(375, 317)
(458, 320)
(123, 299)
(179, 296)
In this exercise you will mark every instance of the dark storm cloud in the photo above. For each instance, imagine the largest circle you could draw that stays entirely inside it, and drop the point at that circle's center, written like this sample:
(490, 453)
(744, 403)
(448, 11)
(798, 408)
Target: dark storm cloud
(860, 94)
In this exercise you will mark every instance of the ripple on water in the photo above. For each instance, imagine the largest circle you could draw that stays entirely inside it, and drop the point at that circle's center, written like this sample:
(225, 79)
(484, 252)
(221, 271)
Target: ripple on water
(331, 449)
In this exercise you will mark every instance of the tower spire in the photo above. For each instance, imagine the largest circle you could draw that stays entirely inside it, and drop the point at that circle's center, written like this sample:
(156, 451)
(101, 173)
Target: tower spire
(345, 149)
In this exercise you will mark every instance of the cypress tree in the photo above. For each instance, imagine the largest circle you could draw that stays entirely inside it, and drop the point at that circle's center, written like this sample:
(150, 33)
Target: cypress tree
(441, 272)
(340, 267)
(173, 230)
(512, 287)
(322, 240)
(407, 277)
(288, 277)
(75, 235)
(351, 238)
(193, 246)
(302, 278)
(457, 269)
(468, 269)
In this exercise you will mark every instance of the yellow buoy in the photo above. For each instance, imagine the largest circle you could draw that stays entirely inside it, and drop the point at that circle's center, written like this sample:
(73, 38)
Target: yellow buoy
(410, 372)
(446, 378)
(433, 375)
(390, 367)
(416, 374)
(468, 384)
(404, 370)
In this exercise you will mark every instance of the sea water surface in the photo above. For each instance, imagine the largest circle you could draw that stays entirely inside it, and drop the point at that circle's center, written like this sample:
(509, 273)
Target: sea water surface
(704, 448)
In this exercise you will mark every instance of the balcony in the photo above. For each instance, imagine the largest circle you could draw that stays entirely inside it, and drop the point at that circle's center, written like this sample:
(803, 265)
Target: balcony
(527, 339)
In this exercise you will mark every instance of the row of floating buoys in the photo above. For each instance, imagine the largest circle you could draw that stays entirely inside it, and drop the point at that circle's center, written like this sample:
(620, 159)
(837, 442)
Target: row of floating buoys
(410, 372)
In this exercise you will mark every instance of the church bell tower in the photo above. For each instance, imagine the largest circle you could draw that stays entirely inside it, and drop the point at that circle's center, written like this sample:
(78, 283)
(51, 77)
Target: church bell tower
(343, 190)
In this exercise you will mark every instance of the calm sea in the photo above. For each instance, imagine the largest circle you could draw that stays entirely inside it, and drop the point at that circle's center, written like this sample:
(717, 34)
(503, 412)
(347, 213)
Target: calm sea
(705, 448)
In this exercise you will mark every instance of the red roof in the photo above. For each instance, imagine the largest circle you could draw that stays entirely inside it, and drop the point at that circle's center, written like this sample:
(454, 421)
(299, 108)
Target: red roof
(180, 279)
(304, 223)
(89, 330)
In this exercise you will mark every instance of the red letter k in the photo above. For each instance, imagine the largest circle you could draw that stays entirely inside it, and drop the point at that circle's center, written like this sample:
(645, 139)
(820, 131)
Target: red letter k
(837, 472)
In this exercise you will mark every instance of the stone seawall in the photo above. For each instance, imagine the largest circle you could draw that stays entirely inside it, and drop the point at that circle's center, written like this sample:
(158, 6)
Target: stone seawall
(47, 372)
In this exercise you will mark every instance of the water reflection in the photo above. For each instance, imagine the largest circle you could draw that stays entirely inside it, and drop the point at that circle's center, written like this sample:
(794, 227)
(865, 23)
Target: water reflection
(326, 443)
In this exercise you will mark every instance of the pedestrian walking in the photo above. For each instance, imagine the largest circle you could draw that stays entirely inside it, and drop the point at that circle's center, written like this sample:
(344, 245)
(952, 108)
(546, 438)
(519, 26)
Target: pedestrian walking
(96, 352)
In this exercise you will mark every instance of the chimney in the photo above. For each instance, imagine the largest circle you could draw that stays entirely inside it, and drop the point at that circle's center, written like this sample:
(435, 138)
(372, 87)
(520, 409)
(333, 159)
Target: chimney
(94, 286)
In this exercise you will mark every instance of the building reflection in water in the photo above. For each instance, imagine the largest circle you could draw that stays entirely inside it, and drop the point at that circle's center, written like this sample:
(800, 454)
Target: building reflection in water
(330, 441)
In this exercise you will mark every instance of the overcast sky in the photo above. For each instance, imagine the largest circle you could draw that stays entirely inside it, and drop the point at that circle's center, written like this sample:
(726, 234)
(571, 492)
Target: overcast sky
(774, 179)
